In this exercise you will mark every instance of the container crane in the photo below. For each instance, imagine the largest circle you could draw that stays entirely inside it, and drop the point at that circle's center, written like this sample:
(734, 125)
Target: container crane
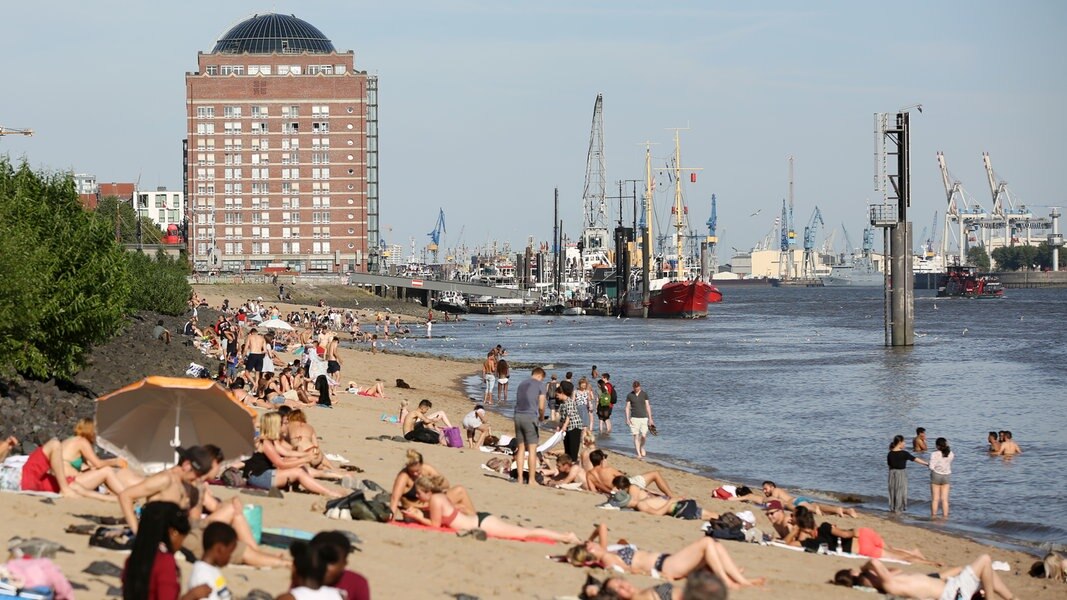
(435, 235)
(809, 243)
(960, 210)
(1004, 210)
(13, 131)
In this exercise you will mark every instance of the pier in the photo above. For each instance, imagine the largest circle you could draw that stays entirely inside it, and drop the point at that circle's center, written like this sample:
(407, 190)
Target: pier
(404, 288)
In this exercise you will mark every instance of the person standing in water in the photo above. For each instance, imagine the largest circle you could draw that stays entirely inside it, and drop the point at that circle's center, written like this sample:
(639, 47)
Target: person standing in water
(940, 471)
(897, 459)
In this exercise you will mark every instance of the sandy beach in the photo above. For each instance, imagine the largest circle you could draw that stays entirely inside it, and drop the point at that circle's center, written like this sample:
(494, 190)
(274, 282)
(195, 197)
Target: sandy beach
(405, 563)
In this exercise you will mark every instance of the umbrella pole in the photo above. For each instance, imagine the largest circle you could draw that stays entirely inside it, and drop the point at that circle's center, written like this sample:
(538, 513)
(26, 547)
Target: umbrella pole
(176, 442)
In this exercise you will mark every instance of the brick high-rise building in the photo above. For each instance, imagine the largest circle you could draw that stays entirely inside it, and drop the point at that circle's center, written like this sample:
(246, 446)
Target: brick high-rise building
(281, 152)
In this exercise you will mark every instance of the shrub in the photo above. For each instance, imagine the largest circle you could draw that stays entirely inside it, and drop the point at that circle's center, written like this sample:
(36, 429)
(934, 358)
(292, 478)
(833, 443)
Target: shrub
(158, 285)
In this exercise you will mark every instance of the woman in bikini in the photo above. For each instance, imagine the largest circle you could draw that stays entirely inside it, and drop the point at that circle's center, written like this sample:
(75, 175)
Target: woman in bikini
(274, 466)
(404, 494)
(443, 513)
(862, 540)
(75, 460)
(703, 553)
(302, 438)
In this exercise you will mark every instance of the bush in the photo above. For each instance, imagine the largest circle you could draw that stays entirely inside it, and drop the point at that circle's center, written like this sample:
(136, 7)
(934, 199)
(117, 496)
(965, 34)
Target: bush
(158, 285)
(65, 279)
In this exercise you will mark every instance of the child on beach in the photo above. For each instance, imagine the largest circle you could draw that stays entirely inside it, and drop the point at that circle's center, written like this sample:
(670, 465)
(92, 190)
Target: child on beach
(220, 540)
(352, 584)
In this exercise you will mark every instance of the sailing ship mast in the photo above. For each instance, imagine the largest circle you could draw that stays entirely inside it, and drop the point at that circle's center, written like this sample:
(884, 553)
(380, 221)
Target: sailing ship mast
(646, 241)
(679, 208)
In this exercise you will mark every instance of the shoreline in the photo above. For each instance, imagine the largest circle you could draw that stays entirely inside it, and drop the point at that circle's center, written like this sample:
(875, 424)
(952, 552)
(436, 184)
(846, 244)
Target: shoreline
(976, 534)
(408, 563)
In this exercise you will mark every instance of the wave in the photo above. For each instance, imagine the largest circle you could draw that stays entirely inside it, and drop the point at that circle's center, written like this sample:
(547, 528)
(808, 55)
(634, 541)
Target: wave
(1026, 529)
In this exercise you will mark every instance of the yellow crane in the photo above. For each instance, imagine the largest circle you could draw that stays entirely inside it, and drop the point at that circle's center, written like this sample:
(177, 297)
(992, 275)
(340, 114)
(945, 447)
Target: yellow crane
(11, 131)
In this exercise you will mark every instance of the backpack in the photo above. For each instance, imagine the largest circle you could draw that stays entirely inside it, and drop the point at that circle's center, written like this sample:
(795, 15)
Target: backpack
(604, 400)
(727, 527)
(614, 396)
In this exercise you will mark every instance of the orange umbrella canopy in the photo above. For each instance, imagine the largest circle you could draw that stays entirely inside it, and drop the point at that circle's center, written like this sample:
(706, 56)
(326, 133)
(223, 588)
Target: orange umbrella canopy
(146, 420)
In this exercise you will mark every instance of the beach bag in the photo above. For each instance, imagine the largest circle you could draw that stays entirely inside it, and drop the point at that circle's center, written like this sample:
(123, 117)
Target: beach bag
(727, 527)
(11, 473)
(725, 493)
(233, 478)
(454, 437)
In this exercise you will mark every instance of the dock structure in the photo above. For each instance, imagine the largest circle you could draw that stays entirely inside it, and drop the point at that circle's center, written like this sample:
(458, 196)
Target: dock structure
(425, 290)
(892, 216)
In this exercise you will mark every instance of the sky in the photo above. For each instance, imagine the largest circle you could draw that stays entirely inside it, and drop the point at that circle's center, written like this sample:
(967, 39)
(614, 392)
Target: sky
(485, 106)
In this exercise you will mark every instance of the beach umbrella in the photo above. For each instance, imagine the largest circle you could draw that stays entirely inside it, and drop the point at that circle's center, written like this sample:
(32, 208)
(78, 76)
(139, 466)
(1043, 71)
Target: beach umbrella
(145, 421)
(276, 324)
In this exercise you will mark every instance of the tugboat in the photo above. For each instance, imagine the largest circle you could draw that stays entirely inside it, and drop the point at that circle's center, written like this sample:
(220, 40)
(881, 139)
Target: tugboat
(452, 302)
(963, 281)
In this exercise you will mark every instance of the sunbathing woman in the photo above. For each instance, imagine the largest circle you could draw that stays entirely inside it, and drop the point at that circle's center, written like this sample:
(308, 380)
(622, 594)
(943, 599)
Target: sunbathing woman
(75, 460)
(267, 468)
(302, 438)
(862, 540)
(405, 495)
(703, 553)
(443, 513)
(372, 391)
(617, 587)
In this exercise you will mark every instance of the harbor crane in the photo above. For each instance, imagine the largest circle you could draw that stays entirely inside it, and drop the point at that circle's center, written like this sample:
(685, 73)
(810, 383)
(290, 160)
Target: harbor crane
(1004, 210)
(959, 210)
(13, 131)
(809, 243)
(435, 235)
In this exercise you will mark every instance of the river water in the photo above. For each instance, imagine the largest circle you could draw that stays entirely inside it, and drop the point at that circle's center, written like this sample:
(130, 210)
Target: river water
(795, 385)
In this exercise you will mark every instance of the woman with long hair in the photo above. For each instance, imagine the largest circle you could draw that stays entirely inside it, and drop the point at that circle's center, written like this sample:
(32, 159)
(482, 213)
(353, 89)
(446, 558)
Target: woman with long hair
(404, 494)
(76, 462)
(897, 459)
(275, 466)
(705, 553)
(862, 540)
(151, 572)
(587, 401)
(443, 513)
(940, 474)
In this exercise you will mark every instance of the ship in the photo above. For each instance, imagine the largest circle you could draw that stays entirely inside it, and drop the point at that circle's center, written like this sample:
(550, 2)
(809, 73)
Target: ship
(678, 294)
(963, 281)
(452, 302)
(859, 273)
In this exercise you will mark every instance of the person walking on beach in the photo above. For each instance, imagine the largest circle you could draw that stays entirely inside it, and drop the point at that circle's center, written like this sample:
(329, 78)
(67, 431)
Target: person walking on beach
(503, 372)
(940, 470)
(639, 417)
(529, 412)
(489, 376)
(897, 459)
(570, 420)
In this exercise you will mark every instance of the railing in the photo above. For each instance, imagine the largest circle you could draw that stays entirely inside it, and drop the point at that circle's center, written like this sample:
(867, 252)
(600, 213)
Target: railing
(883, 215)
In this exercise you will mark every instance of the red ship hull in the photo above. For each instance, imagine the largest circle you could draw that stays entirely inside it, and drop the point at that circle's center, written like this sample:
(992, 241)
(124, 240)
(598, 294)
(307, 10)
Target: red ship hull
(682, 300)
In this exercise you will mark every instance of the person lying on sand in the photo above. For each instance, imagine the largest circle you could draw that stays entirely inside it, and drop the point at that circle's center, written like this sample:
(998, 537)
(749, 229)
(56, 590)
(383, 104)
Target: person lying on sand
(443, 513)
(862, 540)
(958, 582)
(72, 467)
(780, 518)
(616, 587)
(601, 476)
(705, 553)
(377, 390)
(626, 494)
(567, 475)
(404, 495)
(772, 492)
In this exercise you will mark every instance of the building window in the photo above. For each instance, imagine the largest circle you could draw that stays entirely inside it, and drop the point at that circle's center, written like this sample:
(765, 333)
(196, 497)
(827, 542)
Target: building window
(233, 69)
(205, 112)
(257, 128)
(231, 111)
(212, 70)
(291, 127)
(259, 69)
(320, 127)
(205, 128)
(291, 111)
(259, 111)
(323, 110)
(340, 69)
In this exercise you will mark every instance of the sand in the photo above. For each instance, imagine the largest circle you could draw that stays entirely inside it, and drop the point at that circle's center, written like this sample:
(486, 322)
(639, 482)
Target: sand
(403, 563)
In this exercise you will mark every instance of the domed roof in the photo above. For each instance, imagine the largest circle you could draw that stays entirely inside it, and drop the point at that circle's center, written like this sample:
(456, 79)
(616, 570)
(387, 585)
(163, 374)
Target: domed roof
(264, 34)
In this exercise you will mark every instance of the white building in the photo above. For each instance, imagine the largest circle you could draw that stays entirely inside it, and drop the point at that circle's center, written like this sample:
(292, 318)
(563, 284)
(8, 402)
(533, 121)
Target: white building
(163, 206)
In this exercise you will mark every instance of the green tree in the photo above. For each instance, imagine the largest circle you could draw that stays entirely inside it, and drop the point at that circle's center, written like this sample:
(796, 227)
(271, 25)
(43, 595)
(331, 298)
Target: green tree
(127, 221)
(1044, 256)
(65, 279)
(1014, 258)
(977, 256)
(159, 285)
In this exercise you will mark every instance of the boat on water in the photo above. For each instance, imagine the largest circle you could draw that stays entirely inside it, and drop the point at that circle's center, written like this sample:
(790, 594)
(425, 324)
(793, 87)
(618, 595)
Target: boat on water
(963, 281)
(488, 305)
(678, 295)
(861, 273)
(452, 302)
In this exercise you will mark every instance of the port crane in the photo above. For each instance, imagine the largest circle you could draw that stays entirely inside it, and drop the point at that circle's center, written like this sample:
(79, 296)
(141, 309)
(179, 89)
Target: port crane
(809, 243)
(967, 215)
(435, 235)
(13, 131)
(1004, 210)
